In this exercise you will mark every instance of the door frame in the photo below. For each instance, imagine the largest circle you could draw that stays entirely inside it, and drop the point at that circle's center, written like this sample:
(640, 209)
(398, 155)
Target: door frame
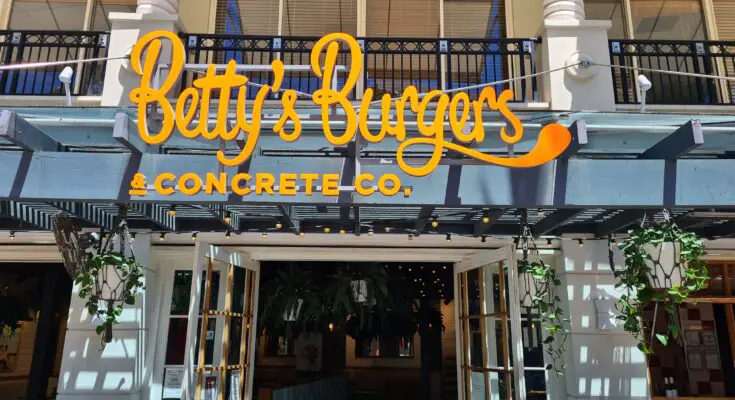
(480, 259)
(202, 252)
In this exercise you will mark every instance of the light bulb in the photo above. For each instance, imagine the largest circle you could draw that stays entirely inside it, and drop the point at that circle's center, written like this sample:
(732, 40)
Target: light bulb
(279, 225)
(162, 237)
(449, 237)
(227, 235)
(435, 223)
(194, 236)
(302, 234)
(486, 220)
(327, 229)
(228, 217)
(264, 236)
(581, 243)
(172, 211)
(342, 231)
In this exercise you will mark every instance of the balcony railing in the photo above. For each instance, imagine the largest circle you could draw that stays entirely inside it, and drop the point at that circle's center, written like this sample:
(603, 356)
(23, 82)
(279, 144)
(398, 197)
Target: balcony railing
(390, 64)
(22, 47)
(696, 57)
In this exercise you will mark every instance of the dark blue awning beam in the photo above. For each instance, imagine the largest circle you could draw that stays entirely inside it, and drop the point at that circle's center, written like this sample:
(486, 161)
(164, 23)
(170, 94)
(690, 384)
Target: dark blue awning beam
(125, 131)
(493, 216)
(87, 212)
(555, 220)
(24, 134)
(619, 222)
(683, 140)
(28, 216)
(157, 214)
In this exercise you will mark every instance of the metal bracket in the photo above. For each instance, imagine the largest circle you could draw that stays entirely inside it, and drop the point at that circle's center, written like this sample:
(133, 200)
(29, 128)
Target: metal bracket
(277, 43)
(192, 42)
(528, 46)
(616, 47)
(16, 38)
(699, 46)
(443, 46)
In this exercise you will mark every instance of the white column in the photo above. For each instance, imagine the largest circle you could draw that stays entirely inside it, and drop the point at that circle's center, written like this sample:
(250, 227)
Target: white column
(564, 9)
(122, 369)
(127, 28)
(602, 364)
(158, 6)
(568, 39)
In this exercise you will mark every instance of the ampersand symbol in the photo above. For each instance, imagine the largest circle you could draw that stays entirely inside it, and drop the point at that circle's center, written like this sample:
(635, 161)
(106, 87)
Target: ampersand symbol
(137, 185)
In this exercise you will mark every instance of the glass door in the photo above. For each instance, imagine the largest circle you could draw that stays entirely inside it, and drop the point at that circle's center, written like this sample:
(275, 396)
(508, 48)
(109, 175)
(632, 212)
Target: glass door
(490, 356)
(220, 348)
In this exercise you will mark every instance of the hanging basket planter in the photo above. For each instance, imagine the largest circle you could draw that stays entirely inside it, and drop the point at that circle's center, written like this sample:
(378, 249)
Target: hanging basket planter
(110, 279)
(293, 311)
(663, 267)
(664, 264)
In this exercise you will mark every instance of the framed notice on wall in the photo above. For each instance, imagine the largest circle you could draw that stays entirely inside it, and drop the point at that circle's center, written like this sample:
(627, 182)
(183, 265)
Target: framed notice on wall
(173, 378)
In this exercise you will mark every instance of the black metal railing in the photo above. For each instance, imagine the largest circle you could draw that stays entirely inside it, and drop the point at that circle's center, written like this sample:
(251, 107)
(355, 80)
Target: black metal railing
(22, 47)
(687, 57)
(390, 64)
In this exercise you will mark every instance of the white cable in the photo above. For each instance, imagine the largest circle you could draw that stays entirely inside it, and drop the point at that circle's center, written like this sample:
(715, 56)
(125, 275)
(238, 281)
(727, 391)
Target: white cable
(57, 63)
(661, 71)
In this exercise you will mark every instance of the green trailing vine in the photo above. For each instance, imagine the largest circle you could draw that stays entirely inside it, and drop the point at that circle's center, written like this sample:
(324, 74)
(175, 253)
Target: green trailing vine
(634, 280)
(546, 301)
(98, 270)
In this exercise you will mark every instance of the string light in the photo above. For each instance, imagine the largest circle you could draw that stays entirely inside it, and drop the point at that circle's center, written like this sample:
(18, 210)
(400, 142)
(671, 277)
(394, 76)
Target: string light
(449, 237)
(485, 217)
(228, 217)
(387, 229)
(410, 236)
(228, 235)
(327, 229)
(279, 225)
(435, 222)
(302, 234)
(172, 210)
(264, 236)
(12, 235)
(581, 242)
(614, 242)
(331, 327)
(548, 242)
(342, 231)
(483, 239)
(371, 232)
(194, 236)
(132, 236)
(162, 237)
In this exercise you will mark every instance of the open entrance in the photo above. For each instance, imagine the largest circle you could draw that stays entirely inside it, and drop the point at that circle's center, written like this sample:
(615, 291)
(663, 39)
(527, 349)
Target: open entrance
(347, 323)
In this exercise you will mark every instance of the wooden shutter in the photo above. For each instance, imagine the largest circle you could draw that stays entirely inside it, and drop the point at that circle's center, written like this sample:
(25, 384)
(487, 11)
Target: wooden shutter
(474, 19)
(725, 18)
(247, 17)
(403, 18)
(319, 17)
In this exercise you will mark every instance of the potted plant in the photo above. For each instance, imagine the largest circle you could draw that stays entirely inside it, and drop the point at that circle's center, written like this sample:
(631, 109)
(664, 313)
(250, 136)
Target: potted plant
(663, 266)
(356, 291)
(291, 299)
(108, 283)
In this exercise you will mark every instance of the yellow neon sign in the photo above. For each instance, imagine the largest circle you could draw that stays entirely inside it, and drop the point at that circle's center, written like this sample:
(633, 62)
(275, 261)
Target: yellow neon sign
(195, 102)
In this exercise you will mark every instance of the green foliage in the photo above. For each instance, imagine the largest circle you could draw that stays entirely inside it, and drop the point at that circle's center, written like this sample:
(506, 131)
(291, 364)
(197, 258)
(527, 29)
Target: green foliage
(638, 293)
(343, 305)
(281, 296)
(547, 302)
(131, 281)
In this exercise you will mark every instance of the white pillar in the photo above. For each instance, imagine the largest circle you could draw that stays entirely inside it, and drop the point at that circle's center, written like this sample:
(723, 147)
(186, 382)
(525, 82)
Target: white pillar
(127, 28)
(567, 39)
(564, 9)
(122, 370)
(158, 6)
(601, 363)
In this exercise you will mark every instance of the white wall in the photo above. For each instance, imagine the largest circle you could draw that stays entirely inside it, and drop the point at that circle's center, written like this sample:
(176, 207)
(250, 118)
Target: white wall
(122, 369)
(601, 364)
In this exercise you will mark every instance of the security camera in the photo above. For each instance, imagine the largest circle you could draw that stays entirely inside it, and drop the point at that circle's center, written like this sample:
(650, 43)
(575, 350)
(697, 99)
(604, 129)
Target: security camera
(66, 75)
(88, 241)
(644, 83)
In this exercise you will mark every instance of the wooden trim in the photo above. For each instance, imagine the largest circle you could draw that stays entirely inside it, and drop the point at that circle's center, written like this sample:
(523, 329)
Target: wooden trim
(250, 332)
(487, 369)
(244, 330)
(729, 313)
(226, 334)
(203, 330)
(483, 331)
(504, 330)
(465, 334)
(712, 300)
(486, 315)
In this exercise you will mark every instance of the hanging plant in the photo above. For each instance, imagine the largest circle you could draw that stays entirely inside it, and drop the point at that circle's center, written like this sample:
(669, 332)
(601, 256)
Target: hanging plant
(109, 282)
(358, 291)
(110, 279)
(290, 301)
(541, 294)
(663, 266)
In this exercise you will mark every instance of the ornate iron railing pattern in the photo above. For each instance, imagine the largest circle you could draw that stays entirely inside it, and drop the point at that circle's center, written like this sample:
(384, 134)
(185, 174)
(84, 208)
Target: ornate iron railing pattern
(18, 47)
(390, 64)
(697, 57)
